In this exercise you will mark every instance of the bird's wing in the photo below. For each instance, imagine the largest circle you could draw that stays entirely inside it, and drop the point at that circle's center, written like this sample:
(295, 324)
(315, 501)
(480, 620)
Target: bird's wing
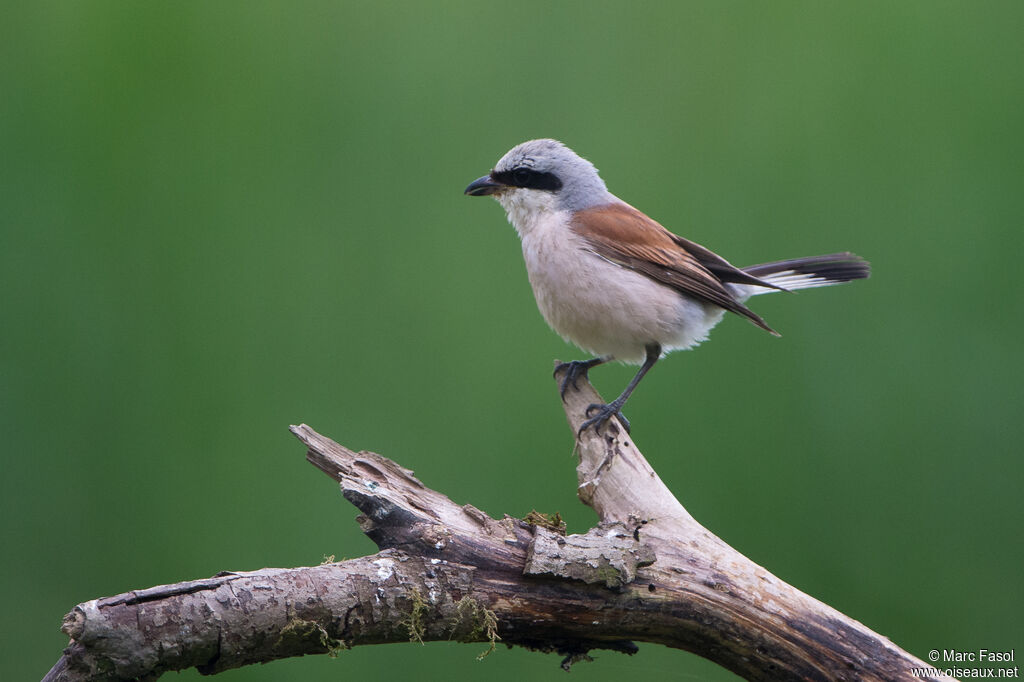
(623, 235)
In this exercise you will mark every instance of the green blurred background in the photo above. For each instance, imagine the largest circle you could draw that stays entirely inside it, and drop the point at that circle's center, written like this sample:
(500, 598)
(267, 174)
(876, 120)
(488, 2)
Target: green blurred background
(219, 219)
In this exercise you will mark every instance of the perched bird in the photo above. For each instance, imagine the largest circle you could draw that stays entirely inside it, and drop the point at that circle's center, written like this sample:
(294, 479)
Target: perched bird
(615, 282)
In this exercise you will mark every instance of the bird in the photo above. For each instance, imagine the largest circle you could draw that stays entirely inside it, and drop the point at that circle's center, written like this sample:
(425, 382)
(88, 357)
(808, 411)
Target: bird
(615, 282)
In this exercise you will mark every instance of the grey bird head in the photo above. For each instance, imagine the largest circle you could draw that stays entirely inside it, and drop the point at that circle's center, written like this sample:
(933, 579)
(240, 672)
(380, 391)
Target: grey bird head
(545, 166)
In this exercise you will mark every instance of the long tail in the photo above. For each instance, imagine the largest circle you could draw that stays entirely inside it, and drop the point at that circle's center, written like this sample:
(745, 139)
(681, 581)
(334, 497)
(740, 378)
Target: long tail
(806, 273)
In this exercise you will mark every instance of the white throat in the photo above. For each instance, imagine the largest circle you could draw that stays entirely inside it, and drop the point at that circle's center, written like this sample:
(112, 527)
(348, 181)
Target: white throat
(527, 208)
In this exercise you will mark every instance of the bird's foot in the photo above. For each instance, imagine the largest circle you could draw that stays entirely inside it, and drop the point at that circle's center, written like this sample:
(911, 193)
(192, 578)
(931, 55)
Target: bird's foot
(601, 415)
(574, 371)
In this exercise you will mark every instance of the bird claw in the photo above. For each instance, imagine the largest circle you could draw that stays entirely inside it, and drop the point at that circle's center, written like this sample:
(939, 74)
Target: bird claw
(574, 371)
(604, 414)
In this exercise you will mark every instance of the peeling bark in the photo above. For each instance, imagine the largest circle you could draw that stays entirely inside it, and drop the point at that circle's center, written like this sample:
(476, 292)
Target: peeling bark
(649, 572)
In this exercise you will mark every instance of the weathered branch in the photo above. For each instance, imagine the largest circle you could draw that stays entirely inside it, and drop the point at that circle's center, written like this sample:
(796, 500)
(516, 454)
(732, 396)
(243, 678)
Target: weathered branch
(725, 607)
(648, 572)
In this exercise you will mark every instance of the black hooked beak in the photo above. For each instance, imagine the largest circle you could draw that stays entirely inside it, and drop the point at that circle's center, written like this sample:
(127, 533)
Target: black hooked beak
(484, 186)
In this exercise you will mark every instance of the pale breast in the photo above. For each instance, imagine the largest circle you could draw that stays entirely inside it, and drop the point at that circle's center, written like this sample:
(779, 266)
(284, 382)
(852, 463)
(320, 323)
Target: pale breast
(602, 307)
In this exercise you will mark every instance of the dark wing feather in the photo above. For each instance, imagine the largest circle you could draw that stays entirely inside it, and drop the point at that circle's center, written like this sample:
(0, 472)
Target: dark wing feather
(625, 236)
(721, 268)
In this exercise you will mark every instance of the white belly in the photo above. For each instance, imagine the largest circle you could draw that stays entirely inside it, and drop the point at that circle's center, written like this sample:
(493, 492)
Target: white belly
(602, 307)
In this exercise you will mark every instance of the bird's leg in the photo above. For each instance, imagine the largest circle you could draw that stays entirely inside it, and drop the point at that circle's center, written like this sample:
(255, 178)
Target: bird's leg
(576, 370)
(602, 413)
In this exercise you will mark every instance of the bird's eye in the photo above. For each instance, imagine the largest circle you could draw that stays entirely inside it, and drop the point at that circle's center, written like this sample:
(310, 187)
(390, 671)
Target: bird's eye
(522, 176)
(528, 178)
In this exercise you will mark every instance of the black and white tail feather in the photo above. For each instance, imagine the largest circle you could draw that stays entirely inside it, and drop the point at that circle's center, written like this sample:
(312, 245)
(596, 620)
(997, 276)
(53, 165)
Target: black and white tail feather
(808, 273)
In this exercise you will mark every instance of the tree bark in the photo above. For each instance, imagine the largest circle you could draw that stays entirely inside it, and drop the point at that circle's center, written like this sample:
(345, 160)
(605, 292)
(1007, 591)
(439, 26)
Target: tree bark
(647, 572)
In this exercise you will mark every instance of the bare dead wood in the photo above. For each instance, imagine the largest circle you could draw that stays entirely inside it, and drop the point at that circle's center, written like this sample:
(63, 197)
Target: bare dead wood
(648, 572)
(730, 610)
